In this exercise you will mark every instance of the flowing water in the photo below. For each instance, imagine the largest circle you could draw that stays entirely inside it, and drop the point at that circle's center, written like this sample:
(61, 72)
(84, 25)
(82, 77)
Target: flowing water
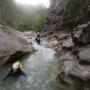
(41, 69)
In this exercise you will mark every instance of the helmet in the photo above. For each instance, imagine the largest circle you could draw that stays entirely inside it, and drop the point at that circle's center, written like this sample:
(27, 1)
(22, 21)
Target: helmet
(16, 65)
(19, 64)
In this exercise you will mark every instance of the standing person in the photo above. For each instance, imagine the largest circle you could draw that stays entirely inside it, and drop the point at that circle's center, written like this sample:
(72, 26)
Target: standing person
(37, 39)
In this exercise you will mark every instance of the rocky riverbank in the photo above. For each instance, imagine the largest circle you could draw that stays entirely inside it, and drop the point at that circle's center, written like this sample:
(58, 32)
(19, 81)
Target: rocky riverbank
(74, 48)
(73, 52)
(74, 57)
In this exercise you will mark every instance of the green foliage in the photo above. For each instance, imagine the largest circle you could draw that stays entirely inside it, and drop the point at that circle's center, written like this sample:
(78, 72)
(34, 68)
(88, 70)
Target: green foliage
(33, 22)
(73, 11)
(22, 17)
(2, 22)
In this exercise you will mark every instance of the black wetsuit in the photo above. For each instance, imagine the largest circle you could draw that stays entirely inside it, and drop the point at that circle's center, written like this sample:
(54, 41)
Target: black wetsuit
(18, 72)
(38, 39)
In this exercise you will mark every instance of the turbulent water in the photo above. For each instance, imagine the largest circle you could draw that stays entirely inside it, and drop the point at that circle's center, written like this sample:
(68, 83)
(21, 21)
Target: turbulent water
(41, 69)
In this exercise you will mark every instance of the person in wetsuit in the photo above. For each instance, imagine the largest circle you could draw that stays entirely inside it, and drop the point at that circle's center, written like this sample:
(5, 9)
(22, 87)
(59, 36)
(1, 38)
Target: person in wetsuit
(15, 70)
(37, 39)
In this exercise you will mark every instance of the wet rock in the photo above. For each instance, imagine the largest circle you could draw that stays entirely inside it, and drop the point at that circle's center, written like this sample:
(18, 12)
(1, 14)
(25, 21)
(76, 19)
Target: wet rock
(73, 72)
(74, 58)
(67, 44)
(67, 56)
(84, 55)
(81, 34)
(11, 43)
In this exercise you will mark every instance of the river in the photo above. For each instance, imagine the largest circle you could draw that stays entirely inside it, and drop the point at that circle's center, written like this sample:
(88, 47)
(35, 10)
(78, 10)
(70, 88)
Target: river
(41, 69)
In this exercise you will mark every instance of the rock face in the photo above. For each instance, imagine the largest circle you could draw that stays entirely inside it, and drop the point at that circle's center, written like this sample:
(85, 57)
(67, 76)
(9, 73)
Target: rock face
(75, 62)
(75, 53)
(54, 20)
(11, 43)
(67, 13)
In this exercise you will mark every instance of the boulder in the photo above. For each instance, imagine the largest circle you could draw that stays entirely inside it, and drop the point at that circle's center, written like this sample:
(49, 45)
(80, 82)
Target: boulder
(67, 56)
(84, 55)
(67, 44)
(12, 44)
(72, 73)
(81, 34)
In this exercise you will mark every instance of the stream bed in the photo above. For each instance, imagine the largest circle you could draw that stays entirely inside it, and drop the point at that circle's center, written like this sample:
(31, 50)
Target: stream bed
(41, 69)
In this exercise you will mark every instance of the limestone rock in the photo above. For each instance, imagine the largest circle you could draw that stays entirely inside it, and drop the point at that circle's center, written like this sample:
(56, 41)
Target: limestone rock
(81, 34)
(84, 55)
(11, 43)
(67, 44)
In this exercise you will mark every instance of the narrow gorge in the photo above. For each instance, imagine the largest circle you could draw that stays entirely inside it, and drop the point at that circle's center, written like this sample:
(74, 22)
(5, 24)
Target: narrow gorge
(62, 62)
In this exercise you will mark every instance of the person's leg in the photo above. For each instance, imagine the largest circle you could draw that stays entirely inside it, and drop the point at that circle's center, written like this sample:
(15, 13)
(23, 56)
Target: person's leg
(39, 42)
(36, 40)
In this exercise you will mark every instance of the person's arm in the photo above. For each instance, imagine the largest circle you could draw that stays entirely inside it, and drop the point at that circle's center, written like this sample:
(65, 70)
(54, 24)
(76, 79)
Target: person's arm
(23, 73)
(35, 38)
(8, 75)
